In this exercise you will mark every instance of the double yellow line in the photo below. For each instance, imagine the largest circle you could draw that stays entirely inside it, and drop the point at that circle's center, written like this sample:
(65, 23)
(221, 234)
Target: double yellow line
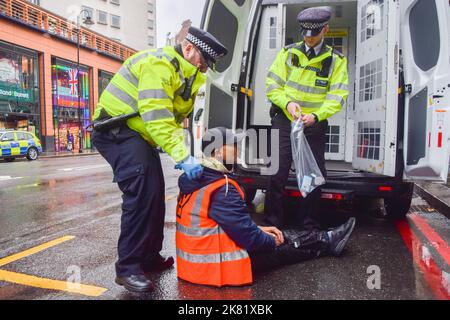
(43, 283)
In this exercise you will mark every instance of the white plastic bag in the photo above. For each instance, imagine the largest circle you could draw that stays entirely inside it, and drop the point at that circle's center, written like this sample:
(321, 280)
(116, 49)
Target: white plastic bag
(307, 170)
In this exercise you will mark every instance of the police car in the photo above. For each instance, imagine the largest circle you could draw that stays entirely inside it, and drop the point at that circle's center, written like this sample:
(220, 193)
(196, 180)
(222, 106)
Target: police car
(19, 144)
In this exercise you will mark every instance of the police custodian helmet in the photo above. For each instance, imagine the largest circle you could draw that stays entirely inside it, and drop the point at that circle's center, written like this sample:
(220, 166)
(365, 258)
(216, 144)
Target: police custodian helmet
(313, 20)
(211, 48)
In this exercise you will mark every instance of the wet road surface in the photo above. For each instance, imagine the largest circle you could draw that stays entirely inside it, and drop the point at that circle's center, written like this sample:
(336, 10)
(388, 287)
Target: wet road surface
(72, 201)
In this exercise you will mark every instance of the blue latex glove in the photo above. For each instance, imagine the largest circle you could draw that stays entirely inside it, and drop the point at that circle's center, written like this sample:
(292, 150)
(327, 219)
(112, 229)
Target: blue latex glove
(191, 167)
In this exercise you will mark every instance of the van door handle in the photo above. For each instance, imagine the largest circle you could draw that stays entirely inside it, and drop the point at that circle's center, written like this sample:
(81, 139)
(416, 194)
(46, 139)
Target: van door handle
(408, 88)
(198, 115)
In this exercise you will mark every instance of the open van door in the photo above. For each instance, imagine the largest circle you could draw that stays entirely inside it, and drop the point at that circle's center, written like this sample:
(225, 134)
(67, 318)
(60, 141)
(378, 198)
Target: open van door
(377, 79)
(426, 65)
(228, 21)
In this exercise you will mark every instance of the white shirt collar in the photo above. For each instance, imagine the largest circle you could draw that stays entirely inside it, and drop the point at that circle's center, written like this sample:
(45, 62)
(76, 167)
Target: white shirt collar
(317, 48)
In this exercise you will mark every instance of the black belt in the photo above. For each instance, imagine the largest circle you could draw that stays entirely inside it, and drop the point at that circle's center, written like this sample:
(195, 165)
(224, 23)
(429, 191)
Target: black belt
(105, 122)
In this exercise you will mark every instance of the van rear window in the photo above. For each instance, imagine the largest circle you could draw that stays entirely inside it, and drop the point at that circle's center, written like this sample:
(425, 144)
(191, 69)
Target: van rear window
(224, 26)
(425, 37)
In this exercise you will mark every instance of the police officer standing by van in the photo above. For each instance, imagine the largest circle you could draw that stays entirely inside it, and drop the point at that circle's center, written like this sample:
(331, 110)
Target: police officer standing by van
(144, 107)
(307, 81)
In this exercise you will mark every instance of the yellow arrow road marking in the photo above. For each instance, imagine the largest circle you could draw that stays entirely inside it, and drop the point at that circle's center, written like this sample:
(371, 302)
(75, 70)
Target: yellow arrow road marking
(29, 252)
(43, 283)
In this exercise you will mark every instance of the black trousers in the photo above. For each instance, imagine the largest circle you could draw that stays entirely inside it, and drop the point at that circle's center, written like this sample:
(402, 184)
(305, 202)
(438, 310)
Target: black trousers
(300, 245)
(316, 136)
(138, 172)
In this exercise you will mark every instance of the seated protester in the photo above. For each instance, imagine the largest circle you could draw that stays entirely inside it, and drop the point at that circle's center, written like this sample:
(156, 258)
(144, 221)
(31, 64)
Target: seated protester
(218, 243)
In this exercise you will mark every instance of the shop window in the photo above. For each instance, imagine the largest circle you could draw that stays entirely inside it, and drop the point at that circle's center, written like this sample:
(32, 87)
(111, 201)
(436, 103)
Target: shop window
(71, 105)
(19, 89)
(104, 78)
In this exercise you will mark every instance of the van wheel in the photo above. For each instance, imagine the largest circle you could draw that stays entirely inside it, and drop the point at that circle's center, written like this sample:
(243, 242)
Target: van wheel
(32, 154)
(397, 206)
(10, 159)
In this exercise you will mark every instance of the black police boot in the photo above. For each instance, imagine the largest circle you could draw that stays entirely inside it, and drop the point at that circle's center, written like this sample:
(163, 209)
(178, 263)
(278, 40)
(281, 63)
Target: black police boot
(158, 264)
(339, 237)
(136, 283)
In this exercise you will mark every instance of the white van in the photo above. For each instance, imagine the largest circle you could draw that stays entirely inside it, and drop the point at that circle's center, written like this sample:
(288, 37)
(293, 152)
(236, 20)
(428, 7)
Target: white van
(395, 127)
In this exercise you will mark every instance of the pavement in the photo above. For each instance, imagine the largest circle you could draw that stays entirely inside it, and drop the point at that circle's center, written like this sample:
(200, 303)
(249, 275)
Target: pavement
(438, 195)
(60, 222)
(65, 154)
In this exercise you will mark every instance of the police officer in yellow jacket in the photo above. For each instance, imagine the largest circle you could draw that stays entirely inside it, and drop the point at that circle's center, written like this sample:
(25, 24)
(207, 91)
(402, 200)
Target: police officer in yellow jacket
(308, 80)
(154, 91)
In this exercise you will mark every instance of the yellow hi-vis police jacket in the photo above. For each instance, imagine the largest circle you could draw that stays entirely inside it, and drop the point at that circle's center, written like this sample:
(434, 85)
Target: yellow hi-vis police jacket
(319, 85)
(153, 82)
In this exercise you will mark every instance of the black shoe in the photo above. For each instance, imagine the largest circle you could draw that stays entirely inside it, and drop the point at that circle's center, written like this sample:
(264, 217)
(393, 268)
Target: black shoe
(339, 237)
(136, 283)
(159, 264)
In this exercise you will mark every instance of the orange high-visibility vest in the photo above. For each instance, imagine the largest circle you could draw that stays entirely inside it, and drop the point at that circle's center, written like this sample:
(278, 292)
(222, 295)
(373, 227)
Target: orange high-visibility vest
(205, 253)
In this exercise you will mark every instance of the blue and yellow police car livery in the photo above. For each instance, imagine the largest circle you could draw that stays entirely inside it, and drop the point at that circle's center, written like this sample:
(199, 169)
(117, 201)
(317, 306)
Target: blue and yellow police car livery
(19, 144)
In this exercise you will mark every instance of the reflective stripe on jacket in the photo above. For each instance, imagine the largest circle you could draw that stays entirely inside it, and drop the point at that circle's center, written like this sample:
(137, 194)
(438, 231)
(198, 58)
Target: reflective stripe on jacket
(205, 253)
(295, 78)
(152, 82)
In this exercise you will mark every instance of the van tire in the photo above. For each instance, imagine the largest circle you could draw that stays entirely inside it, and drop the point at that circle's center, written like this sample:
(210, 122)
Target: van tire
(398, 205)
(32, 154)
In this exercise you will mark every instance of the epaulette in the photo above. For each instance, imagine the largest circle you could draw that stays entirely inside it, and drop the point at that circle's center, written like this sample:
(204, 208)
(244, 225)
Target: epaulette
(292, 46)
(338, 53)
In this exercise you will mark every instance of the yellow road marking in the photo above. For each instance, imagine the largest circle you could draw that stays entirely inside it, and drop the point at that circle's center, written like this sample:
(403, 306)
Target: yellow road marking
(43, 283)
(49, 284)
(34, 250)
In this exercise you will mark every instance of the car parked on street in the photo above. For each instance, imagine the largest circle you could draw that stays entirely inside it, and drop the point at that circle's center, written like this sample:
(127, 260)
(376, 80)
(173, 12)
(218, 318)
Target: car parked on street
(19, 144)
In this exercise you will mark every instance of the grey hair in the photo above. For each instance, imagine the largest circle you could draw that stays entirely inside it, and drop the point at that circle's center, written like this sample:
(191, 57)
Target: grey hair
(184, 43)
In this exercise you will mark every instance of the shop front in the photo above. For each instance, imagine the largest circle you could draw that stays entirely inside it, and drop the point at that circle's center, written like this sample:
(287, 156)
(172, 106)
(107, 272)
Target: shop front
(19, 89)
(71, 102)
(104, 78)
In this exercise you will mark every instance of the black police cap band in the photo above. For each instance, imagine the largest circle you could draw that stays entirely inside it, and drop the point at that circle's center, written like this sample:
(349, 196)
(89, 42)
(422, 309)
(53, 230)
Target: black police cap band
(210, 47)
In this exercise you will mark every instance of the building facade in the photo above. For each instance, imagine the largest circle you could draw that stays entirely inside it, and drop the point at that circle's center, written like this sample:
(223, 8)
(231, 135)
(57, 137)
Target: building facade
(133, 23)
(43, 89)
(181, 35)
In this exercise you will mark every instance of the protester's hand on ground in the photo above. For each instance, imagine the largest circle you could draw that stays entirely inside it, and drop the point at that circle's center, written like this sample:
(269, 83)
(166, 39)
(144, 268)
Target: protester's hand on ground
(275, 233)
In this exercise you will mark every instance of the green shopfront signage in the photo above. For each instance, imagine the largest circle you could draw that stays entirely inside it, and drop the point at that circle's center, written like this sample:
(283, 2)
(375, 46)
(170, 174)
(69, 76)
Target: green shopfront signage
(12, 93)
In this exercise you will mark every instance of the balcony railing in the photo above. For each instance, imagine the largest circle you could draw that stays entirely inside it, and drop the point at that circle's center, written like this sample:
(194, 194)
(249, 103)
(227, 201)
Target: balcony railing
(38, 18)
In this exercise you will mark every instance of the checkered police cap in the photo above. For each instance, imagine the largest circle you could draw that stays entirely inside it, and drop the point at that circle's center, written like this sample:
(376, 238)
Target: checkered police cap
(312, 20)
(210, 47)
